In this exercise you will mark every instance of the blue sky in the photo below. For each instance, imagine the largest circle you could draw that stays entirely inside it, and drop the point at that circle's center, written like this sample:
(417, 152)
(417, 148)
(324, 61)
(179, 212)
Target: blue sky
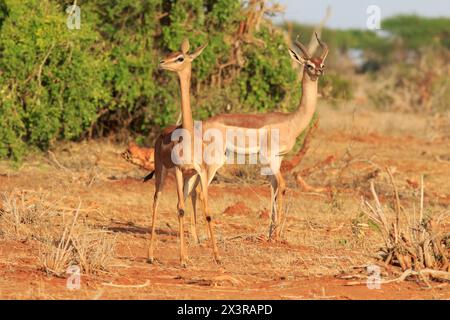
(352, 13)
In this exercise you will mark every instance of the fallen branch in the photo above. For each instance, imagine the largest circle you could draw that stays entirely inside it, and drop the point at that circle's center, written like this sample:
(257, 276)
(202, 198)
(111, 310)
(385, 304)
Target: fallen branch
(234, 281)
(440, 275)
(289, 165)
(320, 164)
(304, 186)
(440, 160)
(109, 284)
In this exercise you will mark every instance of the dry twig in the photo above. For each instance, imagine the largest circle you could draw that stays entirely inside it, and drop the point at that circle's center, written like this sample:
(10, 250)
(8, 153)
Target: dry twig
(418, 246)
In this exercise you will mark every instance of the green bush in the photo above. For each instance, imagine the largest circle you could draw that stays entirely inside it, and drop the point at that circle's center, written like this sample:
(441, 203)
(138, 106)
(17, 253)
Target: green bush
(61, 84)
(418, 32)
(336, 87)
(51, 79)
(268, 76)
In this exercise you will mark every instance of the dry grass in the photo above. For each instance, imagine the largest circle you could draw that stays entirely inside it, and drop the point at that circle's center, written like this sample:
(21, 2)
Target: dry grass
(94, 250)
(415, 241)
(79, 245)
(24, 215)
(32, 217)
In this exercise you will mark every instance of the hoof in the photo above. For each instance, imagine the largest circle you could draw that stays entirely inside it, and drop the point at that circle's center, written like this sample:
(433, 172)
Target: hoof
(151, 260)
(184, 262)
(218, 260)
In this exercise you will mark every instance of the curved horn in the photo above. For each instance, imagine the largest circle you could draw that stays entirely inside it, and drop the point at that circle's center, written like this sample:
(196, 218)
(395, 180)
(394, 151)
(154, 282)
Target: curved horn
(302, 48)
(323, 46)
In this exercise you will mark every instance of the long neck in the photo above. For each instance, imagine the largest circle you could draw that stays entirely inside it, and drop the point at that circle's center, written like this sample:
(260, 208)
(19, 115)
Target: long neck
(303, 115)
(185, 84)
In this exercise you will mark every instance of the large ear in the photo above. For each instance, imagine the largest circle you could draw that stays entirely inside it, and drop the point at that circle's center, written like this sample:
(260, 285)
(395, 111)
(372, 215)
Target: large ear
(296, 57)
(197, 52)
(185, 46)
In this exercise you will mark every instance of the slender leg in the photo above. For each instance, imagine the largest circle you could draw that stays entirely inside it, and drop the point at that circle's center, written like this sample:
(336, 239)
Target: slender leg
(278, 187)
(194, 230)
(273, 208)
(190, 189)
(211, 171)
(180, 207)
(204, 186)
(160, 176)
(152, 235)
(200, 197)
(280, 203)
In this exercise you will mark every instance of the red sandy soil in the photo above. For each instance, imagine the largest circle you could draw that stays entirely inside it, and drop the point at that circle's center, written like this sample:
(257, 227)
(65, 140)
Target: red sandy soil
(317, 258)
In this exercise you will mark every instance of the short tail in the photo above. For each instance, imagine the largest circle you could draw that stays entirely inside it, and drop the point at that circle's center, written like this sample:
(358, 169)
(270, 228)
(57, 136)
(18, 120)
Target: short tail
(149, 176)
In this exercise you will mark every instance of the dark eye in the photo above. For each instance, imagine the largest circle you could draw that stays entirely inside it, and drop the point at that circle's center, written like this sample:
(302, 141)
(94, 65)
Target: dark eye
(310, 67)
(180, 59)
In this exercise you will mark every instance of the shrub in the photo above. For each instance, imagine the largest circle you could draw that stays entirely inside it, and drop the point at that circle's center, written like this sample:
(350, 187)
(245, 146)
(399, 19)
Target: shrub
(61, 84)
(62, 241)
(336, 87)
(51, 77)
